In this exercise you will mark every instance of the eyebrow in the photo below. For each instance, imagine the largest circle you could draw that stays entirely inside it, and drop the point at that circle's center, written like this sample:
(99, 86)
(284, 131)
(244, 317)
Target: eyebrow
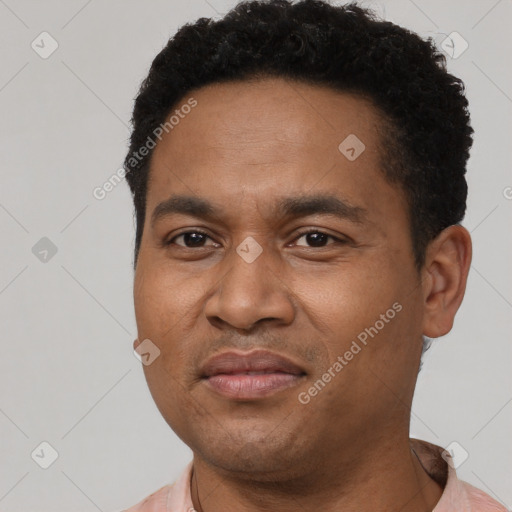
(286, 207)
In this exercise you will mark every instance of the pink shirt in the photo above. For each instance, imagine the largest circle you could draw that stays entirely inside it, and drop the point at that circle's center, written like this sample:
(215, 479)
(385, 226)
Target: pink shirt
(458, 496)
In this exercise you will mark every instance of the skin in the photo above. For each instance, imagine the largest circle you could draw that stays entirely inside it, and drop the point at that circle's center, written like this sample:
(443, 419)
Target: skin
(243, 147)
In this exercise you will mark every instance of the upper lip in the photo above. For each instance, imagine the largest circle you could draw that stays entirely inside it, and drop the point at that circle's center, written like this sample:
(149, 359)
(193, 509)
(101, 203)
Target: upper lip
(232, 362)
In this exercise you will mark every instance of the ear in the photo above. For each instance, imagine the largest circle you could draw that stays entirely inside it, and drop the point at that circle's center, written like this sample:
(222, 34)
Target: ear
(136, 343)
(445, 273)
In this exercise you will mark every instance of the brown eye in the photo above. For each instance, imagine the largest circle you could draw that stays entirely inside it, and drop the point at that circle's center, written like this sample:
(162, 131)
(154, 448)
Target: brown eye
(191, 239)
(315, 238)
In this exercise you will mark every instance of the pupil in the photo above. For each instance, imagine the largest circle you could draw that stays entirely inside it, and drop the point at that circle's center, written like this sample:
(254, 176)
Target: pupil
(314, 238)
(194, 238)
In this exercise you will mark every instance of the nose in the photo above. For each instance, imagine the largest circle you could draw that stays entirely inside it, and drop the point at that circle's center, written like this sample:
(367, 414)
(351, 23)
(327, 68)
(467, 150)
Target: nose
(248, 293)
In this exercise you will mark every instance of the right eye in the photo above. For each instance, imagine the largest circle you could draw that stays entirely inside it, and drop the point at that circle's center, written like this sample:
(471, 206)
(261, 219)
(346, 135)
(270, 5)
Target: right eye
(191, 239)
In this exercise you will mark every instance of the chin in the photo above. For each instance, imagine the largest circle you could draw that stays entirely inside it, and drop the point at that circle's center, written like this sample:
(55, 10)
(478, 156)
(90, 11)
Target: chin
(253, 453)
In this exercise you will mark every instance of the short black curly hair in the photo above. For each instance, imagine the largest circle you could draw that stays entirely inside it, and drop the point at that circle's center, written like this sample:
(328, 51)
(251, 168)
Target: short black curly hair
(426, 132)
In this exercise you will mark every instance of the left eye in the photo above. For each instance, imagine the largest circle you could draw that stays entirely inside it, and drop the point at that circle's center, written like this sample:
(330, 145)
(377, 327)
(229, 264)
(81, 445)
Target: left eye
(316, 238)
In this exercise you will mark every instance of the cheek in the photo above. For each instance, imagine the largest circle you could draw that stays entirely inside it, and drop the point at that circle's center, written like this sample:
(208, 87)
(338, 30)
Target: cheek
(346, 301)
(169, 394)
(158, 300)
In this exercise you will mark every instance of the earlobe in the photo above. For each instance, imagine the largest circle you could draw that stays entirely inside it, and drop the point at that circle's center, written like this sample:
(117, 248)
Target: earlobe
(446, 269)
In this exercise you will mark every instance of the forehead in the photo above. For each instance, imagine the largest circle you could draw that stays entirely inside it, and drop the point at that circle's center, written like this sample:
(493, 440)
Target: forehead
(263, 138)
(294, 116)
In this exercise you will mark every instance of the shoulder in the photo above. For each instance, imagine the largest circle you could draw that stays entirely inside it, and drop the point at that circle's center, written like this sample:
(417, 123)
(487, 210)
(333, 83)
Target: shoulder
(457, 494)
(480, 501)
(156, 502)
(169, 498)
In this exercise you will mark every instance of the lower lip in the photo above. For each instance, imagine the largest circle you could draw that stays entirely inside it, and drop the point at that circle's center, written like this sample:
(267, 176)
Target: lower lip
(248, 387)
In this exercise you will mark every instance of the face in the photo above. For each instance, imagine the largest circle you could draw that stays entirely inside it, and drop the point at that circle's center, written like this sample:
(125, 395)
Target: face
(276, 277)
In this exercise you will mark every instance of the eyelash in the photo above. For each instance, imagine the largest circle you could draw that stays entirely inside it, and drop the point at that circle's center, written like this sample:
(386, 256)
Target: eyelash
(299, 235)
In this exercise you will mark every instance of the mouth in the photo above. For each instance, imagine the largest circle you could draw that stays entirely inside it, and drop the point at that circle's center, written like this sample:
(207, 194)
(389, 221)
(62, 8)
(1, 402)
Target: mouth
(250, 375)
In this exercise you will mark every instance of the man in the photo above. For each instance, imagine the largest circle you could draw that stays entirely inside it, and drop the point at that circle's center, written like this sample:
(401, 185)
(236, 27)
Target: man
(298, 179)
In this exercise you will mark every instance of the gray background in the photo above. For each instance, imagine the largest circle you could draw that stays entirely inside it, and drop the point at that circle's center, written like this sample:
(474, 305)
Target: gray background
(68, 375)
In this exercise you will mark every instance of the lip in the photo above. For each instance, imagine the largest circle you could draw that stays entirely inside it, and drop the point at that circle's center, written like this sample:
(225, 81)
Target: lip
(250, 375)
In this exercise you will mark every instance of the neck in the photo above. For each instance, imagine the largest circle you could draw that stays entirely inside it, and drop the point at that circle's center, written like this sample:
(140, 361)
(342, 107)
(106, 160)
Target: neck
(387, 476)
